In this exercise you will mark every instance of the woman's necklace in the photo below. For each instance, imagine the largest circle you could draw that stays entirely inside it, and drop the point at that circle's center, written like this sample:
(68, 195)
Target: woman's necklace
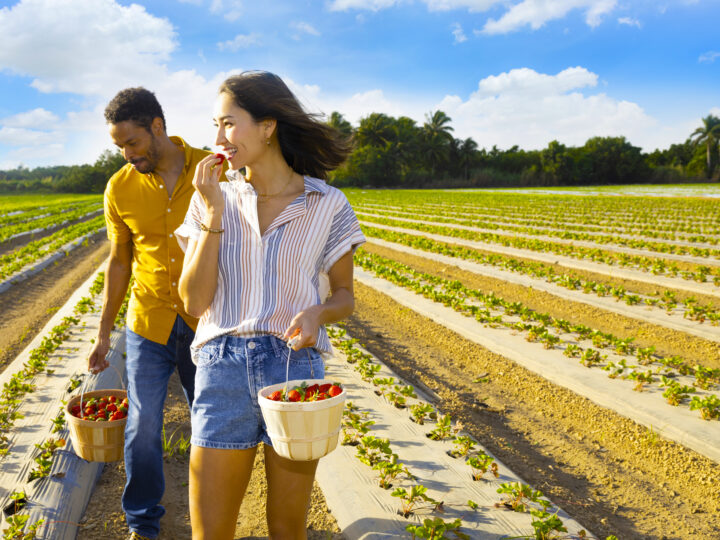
(270, 195)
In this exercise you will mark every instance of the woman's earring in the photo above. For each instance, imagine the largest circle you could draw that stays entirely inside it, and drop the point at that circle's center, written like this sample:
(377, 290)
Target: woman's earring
(267, 141)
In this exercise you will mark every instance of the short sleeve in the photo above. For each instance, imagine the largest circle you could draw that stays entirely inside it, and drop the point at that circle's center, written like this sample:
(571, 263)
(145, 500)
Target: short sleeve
(345, 235)
(117, 230)
(191, 225)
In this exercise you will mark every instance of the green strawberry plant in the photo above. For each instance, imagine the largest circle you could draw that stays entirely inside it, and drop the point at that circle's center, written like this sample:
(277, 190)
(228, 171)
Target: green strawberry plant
(518, 496)
(708, 406)
(436, 528)
(373, 450)
(390, 469)
(17, 525)
(480, 464)
(443, 428)
(419, 411)
(462, 446)
(410, 500)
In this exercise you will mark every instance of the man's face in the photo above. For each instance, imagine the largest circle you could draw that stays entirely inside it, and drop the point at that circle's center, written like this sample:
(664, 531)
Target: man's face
(139, 146)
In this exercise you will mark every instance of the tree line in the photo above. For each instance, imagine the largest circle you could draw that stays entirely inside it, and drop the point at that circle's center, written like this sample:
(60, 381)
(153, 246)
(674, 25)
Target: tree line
(399, 152)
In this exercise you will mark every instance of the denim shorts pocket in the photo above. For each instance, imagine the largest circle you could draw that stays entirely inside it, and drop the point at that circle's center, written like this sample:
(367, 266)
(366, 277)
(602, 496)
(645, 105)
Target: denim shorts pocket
(210, 353)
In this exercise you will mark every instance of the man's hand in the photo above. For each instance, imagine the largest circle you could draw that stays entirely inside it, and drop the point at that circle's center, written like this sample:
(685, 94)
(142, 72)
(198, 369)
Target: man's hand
(97, 361)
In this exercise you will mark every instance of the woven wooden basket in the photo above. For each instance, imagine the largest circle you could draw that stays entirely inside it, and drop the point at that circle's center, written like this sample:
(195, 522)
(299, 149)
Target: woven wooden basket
(302, 431)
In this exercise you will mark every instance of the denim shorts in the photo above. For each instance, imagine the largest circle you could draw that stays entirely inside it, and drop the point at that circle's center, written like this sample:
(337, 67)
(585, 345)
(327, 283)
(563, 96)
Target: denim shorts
(231, 370)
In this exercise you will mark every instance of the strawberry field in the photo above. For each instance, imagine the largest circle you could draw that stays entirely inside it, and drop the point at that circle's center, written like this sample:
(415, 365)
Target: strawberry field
(520, 364)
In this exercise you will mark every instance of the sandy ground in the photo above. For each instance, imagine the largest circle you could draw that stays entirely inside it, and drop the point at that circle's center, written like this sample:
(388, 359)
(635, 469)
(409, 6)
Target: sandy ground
(27, 306)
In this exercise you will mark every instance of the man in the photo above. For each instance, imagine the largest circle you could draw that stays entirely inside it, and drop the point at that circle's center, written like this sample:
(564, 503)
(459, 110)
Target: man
(145, 202)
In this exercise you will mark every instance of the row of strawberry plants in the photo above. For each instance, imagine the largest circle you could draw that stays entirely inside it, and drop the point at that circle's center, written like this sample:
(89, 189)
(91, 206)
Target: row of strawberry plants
(494, 311)
(562, 233)
(532, 218)
(50, 221)
(590, 210)
(566, 279)
(16, 209)
(377, 453)
(16, 260)
(20, 383)
(655, 265)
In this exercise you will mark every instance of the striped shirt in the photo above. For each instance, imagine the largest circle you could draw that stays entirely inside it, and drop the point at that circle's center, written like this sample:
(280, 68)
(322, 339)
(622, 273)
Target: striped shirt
(265, 280)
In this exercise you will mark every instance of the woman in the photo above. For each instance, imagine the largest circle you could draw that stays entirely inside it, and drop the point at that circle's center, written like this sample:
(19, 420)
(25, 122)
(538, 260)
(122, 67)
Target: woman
(256, 247)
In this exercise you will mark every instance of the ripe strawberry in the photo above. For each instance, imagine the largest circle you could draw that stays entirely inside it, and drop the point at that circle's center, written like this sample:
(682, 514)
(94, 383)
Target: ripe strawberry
(294, 395)
(111, 408)
(276, 395)
(313, 388)
(221, 157)
(325, 387)
(334, 390)
(309, 394)
(321, 396)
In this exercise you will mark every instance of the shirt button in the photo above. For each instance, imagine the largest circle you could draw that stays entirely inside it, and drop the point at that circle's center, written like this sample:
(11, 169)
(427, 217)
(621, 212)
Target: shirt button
(172, 260)
(168, 210)
(174, 284)
(251, 345)
(162, 186)
(170, 235)
(174, 305)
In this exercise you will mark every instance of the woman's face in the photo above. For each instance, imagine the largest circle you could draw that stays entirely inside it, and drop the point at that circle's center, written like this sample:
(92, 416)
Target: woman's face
(242, 139)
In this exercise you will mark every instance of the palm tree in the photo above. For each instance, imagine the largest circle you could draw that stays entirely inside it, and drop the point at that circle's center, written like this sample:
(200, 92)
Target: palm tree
(338, 121)
(437, 138)
(376, 130)
(708, 134)
(466, 155)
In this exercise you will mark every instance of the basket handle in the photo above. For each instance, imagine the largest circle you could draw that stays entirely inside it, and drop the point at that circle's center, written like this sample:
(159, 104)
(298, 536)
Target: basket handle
(82, 388)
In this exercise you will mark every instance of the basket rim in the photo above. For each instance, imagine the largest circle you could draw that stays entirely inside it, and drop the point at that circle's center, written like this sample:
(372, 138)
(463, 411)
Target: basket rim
(266, 403)
(87, 423)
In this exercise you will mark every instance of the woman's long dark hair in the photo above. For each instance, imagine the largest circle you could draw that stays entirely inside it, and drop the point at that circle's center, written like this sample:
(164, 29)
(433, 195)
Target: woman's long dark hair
(309, 146)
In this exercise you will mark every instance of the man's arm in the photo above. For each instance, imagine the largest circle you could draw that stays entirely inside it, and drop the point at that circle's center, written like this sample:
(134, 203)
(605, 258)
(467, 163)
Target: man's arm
(117, 278)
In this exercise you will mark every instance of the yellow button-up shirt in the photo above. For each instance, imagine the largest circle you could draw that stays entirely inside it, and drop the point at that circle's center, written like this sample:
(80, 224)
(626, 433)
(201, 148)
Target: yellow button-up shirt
(138, 209)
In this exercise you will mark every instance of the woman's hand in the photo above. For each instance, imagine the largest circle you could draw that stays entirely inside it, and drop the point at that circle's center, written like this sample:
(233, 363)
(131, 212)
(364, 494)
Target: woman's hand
(305, 326)
(207, 182)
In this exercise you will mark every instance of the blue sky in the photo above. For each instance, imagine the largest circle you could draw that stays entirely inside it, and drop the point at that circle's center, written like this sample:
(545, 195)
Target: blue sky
(507, 72)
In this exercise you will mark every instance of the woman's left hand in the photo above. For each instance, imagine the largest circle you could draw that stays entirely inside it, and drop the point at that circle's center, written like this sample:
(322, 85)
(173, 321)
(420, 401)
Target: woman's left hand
(306, 326)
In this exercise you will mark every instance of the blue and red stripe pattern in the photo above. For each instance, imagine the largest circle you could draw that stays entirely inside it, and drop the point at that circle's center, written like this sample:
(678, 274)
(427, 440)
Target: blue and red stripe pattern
(265, 280)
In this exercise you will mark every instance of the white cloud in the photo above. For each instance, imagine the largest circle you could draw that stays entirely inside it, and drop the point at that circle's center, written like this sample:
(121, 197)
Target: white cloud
(709, 57)
(305, 28)
(231, 10)
(31, 119)
(83, 46)
(241, 41)
(458, 33)
(18, 137)
(535, 13)
(531, 109)
(470, 5)
(370, 5)
(629, 21)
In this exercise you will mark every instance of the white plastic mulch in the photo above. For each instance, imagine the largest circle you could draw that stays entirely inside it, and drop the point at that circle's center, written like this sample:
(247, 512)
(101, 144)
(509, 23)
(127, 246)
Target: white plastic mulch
(366, 511)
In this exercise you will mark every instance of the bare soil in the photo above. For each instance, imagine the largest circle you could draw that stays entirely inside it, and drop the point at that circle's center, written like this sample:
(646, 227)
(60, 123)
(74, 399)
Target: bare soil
(104, 517)
(612, 475)
(28, 306)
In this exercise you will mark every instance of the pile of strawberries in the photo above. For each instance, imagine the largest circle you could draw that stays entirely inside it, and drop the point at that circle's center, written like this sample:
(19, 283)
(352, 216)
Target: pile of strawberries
(305, 392)
(102, 409)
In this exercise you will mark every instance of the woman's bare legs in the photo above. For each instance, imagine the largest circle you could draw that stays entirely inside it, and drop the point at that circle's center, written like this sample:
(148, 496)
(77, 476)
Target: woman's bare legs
(289, 487)
(218, 480)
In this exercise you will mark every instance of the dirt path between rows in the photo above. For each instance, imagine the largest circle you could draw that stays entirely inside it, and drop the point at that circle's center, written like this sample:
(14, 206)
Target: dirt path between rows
(28, 305)
(612, 475)
(104, 517)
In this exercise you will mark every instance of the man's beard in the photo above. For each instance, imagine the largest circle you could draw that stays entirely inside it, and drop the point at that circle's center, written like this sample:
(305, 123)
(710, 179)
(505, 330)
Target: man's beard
(152, 158)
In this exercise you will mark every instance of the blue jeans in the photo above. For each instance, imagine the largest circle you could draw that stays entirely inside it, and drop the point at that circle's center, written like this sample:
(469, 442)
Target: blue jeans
(149, 367)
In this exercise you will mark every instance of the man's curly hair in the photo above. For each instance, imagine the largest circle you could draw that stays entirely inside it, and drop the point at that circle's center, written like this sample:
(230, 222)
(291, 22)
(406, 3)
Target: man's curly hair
(136, 104)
